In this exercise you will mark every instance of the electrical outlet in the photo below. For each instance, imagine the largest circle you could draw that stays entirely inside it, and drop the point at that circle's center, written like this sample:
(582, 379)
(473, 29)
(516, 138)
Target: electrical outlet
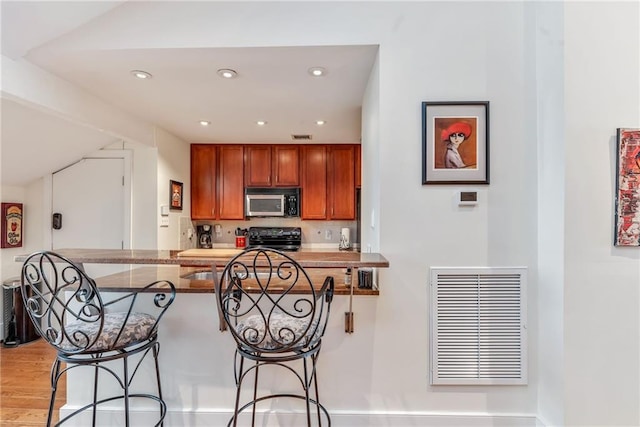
(327, 234)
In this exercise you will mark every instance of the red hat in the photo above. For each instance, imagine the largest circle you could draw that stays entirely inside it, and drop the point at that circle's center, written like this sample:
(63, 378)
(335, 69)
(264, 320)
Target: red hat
(457, 127)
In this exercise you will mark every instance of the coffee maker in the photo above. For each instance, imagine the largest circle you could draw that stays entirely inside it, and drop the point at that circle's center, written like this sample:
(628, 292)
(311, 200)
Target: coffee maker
(204, 236)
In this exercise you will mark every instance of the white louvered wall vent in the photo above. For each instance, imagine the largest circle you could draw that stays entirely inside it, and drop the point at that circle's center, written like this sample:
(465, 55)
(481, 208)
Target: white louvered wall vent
(478, 326)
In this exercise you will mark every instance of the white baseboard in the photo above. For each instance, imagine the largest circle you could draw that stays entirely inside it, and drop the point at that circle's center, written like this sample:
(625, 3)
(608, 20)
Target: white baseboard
(213, 418)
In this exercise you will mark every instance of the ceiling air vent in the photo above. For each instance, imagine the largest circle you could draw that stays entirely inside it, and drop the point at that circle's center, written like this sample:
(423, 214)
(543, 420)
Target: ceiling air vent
(301, 137)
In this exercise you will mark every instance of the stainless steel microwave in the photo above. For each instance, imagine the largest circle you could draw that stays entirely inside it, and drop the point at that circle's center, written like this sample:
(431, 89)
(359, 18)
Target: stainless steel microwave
(283, 202)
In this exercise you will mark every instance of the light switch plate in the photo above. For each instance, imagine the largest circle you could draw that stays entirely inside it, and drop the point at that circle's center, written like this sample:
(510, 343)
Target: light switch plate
(164, 221)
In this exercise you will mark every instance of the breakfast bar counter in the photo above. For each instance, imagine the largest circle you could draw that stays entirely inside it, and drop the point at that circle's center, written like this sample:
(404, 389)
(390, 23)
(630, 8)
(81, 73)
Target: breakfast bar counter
(179, 267)
(206, 257)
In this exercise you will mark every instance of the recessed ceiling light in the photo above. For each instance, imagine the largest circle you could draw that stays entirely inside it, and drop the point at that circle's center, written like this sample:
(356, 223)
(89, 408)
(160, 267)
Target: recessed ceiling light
(205, 122)
(143, 75)
(227, 73)
(320, 122)
(317, 71)
(261, 123)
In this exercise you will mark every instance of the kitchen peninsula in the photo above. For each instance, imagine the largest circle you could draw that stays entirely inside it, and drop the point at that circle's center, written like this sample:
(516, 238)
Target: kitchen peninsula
(196, 359)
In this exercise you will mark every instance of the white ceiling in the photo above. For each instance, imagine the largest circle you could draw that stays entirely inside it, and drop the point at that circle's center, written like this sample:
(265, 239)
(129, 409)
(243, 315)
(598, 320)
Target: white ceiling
(273, 84)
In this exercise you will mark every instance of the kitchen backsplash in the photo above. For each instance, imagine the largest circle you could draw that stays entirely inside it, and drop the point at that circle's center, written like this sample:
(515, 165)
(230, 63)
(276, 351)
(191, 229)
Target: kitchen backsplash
(313, 232)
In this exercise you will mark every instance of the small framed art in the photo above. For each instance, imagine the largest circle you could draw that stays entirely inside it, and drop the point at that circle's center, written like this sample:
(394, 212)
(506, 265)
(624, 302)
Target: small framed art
(175, 195)
(11, 225)
(455, 142)
(627, 220)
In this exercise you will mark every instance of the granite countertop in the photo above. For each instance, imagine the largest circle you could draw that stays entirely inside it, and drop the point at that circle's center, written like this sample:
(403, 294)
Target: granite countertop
(174, 265)
(306, 258)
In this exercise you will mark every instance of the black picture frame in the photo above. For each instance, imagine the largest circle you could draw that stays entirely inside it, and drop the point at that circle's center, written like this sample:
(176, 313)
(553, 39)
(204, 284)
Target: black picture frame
(175, 195)
(445, 161)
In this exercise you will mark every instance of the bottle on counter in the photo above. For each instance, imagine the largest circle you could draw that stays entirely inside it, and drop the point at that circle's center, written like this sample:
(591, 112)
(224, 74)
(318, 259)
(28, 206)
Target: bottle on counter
(347, 277)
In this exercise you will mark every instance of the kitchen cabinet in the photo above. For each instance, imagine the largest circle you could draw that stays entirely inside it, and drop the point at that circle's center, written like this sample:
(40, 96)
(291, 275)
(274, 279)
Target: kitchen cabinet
(217, 182)
(358, 166)
(328, 182)
(231, 182)
(313, 197)
(257, 165)
(341, 182)
(203, 181)
(272, 166)
(286, 165)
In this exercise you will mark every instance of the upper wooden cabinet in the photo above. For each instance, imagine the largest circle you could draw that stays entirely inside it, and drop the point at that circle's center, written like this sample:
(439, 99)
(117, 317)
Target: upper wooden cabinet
(328, 182)
(358, 166)
(203, 181)
(272, 166)
(341, 182)
(286, 165)
(217, 184)
(313, 203)
(231, 182)
(327, 174)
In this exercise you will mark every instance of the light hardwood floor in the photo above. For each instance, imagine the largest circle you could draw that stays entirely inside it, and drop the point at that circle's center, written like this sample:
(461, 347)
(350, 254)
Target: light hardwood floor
(25, 384)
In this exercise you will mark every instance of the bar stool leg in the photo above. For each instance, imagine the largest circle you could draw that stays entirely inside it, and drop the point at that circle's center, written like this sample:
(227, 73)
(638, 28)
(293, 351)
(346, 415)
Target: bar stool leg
(95, 393)
(238, 387)
(156, 351)
(55, 372)
(255, 395)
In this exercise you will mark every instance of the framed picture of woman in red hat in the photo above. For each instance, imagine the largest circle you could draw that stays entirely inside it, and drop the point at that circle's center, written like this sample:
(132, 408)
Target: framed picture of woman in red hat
(455, 142)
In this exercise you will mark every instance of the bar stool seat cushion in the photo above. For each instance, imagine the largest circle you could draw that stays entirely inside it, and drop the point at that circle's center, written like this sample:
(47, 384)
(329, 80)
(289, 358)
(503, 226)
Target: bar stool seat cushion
(136, 328)
(284, 331)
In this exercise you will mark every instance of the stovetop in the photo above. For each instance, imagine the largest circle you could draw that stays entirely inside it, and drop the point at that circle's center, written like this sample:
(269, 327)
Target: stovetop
(281, 238)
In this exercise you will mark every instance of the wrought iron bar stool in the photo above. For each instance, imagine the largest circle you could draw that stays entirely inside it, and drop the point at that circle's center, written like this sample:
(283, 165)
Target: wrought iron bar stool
(277, 317)
(68, 311)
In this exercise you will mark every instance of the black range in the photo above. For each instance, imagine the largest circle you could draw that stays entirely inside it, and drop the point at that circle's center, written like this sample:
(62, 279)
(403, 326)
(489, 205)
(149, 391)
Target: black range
(280, 238)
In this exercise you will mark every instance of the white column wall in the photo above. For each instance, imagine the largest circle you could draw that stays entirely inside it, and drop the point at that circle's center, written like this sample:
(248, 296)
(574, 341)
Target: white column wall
(173, 164)
(548, 136)
(602, 282)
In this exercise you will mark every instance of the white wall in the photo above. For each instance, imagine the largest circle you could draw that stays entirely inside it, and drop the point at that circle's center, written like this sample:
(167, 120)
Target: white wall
(173, 164)
(546, 25)
(370, 155)
(602, 282)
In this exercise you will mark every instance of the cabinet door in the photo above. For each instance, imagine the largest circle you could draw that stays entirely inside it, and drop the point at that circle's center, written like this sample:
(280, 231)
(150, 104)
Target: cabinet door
(358, 166)
(341, 179)
(231, 182)
(286, 165)
(257, 166)
(203, 181)
(314, 182)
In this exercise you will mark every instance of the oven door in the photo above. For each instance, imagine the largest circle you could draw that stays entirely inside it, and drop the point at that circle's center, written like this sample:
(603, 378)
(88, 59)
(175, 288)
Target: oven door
(265, 205)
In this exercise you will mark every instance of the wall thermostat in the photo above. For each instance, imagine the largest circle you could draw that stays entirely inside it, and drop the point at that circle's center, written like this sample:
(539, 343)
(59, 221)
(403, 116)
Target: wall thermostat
(468, 198)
